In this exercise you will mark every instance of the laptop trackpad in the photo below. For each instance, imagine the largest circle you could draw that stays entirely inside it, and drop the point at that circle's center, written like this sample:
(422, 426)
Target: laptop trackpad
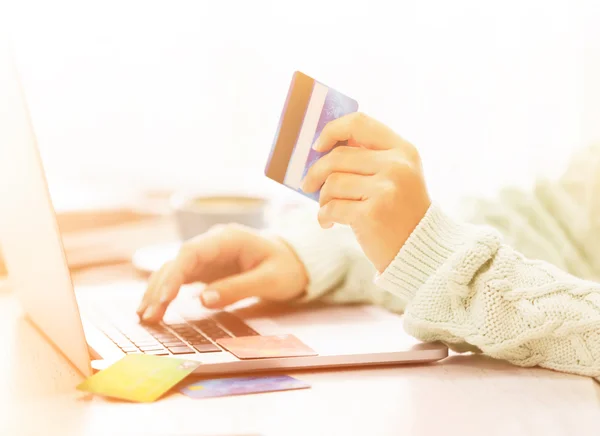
(347, 329)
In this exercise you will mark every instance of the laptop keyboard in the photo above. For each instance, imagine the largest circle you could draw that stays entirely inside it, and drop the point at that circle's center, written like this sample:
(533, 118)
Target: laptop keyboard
(184, 337)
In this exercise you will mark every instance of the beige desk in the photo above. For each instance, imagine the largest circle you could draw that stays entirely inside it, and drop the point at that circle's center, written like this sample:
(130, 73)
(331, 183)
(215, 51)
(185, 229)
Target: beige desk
(463, 395)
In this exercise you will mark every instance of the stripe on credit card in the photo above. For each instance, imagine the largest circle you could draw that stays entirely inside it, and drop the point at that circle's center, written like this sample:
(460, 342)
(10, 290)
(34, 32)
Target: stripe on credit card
(295, 169)
(309, 106)
(289, 126)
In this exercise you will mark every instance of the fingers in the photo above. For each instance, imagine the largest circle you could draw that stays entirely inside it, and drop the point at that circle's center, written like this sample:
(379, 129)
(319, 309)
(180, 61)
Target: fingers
(341, 160)
(345, 186)
(252, 283)
(339, 211)
(149, 295)
(357, 128)
(162, 290)
(193, 262)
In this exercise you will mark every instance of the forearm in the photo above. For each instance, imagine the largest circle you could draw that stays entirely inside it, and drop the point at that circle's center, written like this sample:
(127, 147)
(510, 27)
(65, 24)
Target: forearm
(460, 284)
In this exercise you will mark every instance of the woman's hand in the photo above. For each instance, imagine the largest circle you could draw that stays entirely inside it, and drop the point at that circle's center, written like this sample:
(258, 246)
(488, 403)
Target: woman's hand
(235, 262)
(374, 184)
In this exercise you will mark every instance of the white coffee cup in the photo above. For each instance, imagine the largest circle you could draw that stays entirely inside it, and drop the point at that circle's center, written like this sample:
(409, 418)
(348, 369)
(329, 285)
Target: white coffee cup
(197, 214)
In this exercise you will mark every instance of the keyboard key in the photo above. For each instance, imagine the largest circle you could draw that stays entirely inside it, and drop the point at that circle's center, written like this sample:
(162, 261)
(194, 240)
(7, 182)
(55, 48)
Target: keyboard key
(174, 344)
(189, 338)
(234, 324)
(128, 349)
(211, 329)
(144, 340)
(136, 329)
(137, 335)
(163, 337)
(218, 335)
(200, 340)
(203, 324)
(157, 352)
(123, 343)
(206, 348)
(181, 350)
(240, 333)
(154, 328)
(152, 348)
(180, 333)
(134, 352)
(146, 343)
(115, 336)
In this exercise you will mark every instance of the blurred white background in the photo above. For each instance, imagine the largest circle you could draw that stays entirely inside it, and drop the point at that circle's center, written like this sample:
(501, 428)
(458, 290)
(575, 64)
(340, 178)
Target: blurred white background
(187, 94)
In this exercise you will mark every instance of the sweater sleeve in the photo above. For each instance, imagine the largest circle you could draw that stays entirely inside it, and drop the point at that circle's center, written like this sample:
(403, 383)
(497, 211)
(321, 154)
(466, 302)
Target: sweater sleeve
(462, 285)
(557, 221)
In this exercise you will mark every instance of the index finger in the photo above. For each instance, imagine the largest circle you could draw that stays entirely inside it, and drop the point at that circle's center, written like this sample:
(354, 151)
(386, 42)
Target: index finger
(359, 128)
(194, 257)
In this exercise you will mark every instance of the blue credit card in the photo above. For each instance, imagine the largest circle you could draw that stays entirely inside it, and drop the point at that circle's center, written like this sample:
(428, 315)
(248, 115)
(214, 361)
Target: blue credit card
(241, 386)
(309, 106)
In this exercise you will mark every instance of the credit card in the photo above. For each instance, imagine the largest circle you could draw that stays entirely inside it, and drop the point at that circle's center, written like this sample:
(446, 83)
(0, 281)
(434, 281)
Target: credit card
(241, 386)
(263, 347)
(139, 377)
(309, 106)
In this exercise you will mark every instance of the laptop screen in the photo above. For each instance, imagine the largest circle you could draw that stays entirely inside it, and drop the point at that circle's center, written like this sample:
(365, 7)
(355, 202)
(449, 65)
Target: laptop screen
(31, 243)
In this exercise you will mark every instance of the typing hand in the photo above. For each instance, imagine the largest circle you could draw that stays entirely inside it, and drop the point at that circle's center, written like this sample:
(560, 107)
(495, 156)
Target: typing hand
(235, 262)
(375, 185)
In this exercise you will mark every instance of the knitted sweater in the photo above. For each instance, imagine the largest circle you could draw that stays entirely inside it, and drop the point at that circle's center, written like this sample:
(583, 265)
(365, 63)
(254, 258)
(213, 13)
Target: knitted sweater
(519, 282)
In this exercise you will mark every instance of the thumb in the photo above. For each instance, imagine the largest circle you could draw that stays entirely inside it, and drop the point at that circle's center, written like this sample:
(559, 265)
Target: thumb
(226, 291)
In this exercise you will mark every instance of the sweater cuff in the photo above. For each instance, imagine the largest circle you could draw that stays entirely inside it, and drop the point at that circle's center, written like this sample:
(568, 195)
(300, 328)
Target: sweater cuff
(433, 242)
(322, 254)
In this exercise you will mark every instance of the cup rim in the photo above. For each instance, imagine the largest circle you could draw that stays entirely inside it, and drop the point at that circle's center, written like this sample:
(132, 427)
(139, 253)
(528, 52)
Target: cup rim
(183, 202)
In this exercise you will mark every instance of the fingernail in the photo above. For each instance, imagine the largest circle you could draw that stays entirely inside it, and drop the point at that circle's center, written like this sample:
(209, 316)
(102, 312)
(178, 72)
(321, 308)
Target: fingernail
(317, 144)
(210, 297)
(149, 314)
(164, 299)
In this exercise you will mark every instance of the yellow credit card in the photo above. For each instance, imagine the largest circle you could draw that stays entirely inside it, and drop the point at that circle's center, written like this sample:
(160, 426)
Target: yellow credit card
(139, 377)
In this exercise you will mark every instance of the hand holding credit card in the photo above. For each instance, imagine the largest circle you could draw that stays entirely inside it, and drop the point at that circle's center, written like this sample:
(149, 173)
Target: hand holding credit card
(375, 184)
(309, 106)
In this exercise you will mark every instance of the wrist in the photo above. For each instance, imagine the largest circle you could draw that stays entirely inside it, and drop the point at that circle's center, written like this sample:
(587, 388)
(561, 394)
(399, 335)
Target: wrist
(435, 241)
(321, 253)
(394, 243)
(300, 279)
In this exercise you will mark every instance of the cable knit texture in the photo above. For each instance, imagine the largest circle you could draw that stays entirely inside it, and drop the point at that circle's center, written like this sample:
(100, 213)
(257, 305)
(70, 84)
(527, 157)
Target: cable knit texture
(462, 286)
(469, 285)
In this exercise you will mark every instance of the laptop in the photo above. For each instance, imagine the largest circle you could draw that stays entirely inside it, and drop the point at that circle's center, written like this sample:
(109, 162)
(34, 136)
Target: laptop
(96, 326)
